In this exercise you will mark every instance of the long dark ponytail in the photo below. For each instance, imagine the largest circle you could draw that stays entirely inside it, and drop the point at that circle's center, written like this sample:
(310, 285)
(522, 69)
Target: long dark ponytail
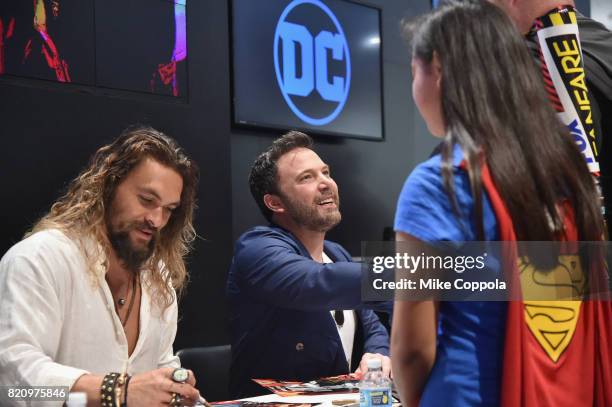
(493, 101)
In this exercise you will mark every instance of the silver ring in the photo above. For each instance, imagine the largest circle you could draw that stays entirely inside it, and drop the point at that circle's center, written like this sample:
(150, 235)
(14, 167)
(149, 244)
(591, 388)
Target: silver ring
(180, 375)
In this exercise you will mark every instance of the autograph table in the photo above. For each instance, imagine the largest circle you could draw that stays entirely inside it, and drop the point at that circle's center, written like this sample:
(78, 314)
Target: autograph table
(325, 399)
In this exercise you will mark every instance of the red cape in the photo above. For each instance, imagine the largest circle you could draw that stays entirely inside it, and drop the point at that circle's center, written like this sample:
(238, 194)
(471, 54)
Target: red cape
(581, 375)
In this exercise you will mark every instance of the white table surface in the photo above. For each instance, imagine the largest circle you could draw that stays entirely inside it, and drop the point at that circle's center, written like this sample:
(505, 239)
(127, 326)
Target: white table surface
(314, 399)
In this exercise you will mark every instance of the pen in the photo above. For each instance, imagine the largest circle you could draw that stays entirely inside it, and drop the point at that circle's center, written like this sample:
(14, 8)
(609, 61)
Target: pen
(204, 402)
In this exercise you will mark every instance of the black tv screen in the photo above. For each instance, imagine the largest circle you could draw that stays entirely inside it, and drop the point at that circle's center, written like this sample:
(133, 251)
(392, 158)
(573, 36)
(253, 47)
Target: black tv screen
(313, 65)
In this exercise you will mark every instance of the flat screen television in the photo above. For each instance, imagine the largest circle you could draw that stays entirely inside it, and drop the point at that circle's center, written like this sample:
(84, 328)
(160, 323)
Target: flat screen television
(313, 65)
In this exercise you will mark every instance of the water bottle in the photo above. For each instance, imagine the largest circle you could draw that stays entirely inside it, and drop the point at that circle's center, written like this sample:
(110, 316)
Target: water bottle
(374, 388)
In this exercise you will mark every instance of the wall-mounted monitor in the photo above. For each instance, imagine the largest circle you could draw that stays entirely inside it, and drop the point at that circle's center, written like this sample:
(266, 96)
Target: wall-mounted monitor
(141, 45)
(313, 65)
(136, 45)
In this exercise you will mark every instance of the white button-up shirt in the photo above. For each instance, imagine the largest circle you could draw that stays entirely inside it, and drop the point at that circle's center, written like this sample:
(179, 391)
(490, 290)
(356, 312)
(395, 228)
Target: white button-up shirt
(56, 324)
(348, 329)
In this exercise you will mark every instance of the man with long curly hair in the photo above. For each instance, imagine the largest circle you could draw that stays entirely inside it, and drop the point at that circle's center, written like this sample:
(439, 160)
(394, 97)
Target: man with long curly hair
(88, 297)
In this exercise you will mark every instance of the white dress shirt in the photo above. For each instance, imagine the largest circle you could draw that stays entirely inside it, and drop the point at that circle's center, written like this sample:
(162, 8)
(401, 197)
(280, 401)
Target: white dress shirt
(346, 331)
(56, 324)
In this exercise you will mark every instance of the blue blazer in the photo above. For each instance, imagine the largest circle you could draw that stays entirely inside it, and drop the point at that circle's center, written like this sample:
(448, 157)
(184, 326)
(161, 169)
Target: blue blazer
(280, 302)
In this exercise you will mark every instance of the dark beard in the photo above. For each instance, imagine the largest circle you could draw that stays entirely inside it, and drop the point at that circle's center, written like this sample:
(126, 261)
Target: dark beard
(131, 257)
(307, 216)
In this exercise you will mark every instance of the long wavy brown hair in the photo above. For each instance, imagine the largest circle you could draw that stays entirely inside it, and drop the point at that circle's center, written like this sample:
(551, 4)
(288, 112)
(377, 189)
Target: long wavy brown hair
(81, 212)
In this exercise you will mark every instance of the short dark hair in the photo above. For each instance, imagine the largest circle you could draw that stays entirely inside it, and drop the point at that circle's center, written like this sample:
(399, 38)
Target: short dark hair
(263, 179)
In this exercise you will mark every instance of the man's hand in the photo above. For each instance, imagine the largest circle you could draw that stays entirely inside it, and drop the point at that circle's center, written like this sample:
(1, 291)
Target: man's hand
(363, 365)
(155, 388)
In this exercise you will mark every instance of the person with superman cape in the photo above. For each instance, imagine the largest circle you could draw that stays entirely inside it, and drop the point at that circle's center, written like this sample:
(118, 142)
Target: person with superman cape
(507, 171)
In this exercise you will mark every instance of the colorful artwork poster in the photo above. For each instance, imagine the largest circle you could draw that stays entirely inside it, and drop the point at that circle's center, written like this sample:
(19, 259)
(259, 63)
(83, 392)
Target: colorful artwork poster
(334, 384)
(136, 45)
(48, 39)
(141, 45)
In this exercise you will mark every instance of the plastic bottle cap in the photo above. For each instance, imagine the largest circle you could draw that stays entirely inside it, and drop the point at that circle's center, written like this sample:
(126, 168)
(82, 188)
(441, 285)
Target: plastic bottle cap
(374, 363)
(77, 399)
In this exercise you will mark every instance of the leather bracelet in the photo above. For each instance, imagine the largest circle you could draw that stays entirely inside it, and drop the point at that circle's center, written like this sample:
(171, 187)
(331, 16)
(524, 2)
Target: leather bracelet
(127, 382)
(107, 393)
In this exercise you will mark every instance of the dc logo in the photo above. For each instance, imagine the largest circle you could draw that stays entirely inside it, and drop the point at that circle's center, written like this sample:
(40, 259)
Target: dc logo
(303, 64)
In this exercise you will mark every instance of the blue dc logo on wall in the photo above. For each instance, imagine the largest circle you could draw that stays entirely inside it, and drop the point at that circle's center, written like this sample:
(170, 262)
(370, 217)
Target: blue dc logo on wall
(302, 63)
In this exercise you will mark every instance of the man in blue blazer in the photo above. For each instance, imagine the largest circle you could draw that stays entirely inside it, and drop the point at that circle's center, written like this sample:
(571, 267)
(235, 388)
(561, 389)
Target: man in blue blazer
(295, 298)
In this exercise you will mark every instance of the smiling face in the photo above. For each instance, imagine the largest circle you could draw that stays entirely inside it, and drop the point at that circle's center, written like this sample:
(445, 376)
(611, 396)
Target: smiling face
(308, 196)
(142, 205)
